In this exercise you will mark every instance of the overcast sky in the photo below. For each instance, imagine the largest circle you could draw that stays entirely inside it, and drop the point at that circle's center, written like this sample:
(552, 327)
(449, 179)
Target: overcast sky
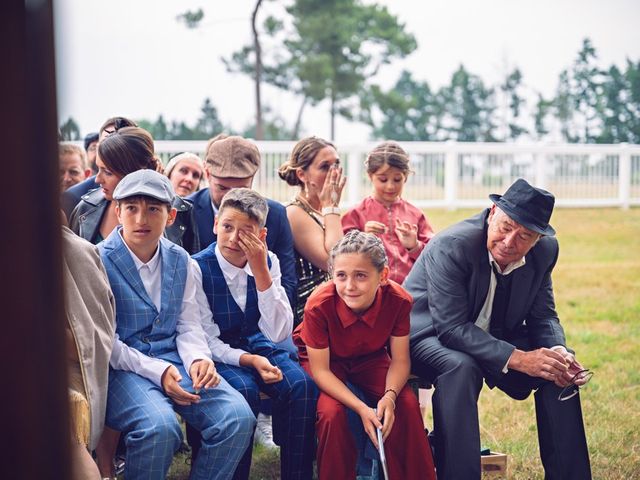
(132, 58)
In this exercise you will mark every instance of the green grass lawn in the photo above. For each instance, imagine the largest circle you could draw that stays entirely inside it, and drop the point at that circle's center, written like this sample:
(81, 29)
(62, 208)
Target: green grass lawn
(597, 287)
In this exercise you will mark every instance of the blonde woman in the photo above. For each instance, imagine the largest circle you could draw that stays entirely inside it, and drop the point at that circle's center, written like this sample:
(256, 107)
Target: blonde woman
(186, 171)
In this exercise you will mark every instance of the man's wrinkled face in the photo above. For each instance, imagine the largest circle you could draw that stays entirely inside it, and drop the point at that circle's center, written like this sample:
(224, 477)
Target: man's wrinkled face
(507, 240)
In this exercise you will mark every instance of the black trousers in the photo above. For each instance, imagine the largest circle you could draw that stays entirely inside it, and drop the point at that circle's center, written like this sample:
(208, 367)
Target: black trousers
(458, 379)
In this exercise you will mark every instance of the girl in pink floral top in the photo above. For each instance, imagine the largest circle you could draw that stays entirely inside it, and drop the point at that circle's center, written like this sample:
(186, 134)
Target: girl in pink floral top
(403, 228)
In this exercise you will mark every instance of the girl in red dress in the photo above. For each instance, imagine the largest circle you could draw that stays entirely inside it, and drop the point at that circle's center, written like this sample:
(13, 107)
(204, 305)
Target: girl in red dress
(351, 325)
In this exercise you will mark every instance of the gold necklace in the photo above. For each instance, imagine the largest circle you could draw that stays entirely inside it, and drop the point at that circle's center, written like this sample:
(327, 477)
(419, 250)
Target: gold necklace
(305, 202)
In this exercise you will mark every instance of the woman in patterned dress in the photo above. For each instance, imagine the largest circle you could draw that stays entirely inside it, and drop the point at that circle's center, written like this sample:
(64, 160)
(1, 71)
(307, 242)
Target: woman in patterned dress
(314, 216)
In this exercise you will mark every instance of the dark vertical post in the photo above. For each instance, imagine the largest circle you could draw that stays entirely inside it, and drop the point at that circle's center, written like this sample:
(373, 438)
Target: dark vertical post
(33, 387)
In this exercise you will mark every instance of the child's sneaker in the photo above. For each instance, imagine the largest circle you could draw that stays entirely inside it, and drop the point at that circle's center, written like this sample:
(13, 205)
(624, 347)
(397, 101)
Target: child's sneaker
(264, 431)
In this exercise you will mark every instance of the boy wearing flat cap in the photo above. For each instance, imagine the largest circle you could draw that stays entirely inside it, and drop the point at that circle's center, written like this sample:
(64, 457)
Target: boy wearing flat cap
(484, 310)
(161, 363)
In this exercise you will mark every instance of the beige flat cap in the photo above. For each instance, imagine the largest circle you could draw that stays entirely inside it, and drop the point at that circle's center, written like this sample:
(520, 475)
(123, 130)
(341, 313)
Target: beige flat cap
(233, 157)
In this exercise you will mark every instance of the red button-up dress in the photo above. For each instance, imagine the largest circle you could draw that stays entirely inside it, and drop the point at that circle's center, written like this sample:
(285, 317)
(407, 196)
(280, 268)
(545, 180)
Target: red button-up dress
(358, 354)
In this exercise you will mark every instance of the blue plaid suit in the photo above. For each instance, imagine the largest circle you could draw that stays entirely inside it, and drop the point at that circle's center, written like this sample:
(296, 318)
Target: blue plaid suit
(294, 397)
(136, 405)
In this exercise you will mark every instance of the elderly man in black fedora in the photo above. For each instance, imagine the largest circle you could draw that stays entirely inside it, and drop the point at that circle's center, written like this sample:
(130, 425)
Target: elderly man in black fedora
(484, 310)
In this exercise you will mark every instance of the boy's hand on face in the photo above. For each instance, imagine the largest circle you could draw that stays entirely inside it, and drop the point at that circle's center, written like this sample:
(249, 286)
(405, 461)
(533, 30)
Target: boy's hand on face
(171, 385)
(269, 373)
(255, 249)
(204, 375)
(407, 234)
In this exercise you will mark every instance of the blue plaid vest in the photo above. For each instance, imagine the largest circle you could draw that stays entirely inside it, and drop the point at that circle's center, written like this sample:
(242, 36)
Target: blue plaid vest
(138, 322)
(235, 326)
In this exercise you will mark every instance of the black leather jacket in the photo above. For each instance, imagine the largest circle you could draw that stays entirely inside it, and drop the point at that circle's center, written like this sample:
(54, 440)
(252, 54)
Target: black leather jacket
(86, 217)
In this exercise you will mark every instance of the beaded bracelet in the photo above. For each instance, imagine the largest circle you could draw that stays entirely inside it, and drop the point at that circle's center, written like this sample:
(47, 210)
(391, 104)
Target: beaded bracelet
(390, 390)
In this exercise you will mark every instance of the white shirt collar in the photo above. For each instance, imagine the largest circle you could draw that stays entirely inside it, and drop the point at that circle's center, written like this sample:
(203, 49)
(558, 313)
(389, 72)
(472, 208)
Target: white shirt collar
(229, 270)
(510, 268)
(152, 264)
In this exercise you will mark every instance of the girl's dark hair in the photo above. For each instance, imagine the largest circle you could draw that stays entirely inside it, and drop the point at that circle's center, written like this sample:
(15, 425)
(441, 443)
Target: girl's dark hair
(389, 153)
(127, 150)
(301, 157)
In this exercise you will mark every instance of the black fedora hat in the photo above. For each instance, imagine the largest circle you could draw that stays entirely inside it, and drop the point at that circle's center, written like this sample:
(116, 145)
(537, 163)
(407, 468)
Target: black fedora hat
(531, 207)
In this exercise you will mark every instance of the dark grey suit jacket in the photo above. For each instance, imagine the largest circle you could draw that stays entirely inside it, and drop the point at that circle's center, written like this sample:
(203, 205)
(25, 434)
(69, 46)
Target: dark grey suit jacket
(449, 284)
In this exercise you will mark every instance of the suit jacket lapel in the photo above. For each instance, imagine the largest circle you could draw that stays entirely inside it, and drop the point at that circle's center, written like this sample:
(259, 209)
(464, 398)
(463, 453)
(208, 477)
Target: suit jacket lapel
(482, 286)
(484, 273)
(204, 214)
(121, 258)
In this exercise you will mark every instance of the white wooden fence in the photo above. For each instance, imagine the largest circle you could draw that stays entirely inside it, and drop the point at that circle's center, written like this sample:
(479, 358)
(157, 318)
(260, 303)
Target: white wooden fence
(455, 175)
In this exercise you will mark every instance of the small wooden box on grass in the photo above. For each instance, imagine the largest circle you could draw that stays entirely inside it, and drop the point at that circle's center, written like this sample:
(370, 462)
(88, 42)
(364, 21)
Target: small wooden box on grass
(494, 465)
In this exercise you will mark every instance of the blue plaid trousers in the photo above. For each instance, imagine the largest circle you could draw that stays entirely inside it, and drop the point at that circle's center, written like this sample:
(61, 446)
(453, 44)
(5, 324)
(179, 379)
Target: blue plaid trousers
(294, 408)
(147, 417)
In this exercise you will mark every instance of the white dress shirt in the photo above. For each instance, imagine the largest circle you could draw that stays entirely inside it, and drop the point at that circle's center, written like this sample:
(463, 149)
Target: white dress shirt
(191, 340)
(276, 316)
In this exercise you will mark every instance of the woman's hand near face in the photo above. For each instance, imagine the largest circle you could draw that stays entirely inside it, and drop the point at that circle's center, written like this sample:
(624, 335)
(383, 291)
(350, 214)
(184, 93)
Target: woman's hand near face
(332, 188)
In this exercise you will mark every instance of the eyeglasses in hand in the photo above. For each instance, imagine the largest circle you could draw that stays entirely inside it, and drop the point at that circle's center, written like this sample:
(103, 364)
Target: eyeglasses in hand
(579, 380)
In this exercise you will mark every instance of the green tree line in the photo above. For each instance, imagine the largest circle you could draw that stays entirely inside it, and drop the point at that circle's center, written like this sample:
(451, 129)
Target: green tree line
(590, 105)
(294, 50)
